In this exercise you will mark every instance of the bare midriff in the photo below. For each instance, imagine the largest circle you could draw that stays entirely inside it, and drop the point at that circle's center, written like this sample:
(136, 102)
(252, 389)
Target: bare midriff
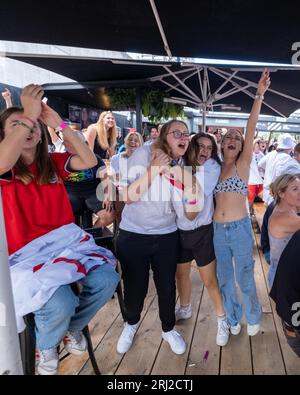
(230, 206)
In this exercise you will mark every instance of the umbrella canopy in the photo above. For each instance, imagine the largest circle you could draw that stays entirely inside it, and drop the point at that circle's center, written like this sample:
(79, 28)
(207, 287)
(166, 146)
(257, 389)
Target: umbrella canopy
(210, 85)
(254, 30)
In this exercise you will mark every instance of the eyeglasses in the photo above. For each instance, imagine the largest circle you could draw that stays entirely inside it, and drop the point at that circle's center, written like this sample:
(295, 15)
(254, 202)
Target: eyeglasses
(177, 134)
(216, 132)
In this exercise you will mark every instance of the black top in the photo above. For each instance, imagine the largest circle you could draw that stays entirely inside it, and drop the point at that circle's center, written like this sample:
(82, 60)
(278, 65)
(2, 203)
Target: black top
(286, 286)
(264, 237)
(84, 178)
(100, 151)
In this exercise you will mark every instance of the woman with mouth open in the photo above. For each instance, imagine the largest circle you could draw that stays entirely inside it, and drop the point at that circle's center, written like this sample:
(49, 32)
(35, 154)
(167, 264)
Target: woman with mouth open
(196, 237)
(232, 225)
(148, 235)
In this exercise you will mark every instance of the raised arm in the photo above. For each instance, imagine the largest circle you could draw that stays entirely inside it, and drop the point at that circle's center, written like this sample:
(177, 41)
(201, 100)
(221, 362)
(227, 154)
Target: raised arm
(84, 157)
(19, 128)
(263, 85)
(91, 135)
(7, 98)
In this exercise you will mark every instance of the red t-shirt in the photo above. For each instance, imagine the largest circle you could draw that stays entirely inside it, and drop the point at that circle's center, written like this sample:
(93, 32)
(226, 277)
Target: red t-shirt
(32, 210)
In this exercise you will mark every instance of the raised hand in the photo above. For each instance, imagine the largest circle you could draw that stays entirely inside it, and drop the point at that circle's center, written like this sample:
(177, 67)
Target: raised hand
(264, 82)
(49, 116)
(31, 99)
(6, 94)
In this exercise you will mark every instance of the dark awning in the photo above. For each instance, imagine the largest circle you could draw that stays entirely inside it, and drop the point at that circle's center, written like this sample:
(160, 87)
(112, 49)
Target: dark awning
(282, 99)
(253, 30)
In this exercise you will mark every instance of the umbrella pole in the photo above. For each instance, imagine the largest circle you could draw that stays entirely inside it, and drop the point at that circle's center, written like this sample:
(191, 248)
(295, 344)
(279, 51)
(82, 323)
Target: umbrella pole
(10, 356)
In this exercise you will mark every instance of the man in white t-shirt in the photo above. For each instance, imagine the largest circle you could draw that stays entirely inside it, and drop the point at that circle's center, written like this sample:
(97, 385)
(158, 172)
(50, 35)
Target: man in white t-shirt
(278, 162)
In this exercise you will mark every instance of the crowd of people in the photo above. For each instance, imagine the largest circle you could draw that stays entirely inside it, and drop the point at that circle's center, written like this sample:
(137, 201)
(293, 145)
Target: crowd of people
(177, 199)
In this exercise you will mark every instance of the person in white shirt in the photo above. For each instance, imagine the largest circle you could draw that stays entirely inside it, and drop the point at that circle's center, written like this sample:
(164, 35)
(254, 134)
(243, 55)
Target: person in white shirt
(255, 183)
(154, 133)
(148, 235)
(196, 237)
(118, 163)
(277, 163)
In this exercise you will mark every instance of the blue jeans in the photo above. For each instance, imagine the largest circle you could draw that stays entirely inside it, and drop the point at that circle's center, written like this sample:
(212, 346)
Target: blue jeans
(234, 240)
(65, 311)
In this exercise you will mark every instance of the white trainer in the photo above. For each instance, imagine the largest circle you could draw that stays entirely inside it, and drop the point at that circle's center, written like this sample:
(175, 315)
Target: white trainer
(75, 342)
(175, 341)
(235, 329)
(253, 330)
(223, 333)
(126, 338)
(183, 313)
(47, 361)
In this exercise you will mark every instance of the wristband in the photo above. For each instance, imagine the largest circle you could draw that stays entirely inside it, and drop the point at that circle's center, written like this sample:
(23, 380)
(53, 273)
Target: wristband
(62, 126)
(260, 97)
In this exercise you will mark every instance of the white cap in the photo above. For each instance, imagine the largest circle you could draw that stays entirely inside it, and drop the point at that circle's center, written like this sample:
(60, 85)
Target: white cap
(286, 141)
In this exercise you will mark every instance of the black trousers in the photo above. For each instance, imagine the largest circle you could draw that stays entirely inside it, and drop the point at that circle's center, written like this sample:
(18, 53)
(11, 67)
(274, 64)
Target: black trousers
(137, 253)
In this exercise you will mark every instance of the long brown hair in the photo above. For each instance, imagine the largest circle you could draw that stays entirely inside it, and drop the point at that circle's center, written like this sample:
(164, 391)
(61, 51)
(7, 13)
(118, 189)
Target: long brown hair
(193, 150)
(45, 167)
(161, 141)
(105, 139)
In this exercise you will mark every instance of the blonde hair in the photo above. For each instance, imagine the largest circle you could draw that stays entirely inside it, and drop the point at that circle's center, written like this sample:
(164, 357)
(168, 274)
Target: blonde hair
(161, 141)
(106, 139)
(138, 135)
(46, 168)
(280, 185)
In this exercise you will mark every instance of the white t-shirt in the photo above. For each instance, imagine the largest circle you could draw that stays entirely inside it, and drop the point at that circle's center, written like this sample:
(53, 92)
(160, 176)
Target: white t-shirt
(255, 176)
(275, 164)
(207, 176)
(154, 212)
(119, 163)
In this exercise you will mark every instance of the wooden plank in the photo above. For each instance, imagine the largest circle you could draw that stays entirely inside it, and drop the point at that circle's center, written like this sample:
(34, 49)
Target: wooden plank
(168, 363)
(106, 353)
(98, 327)
(262, 291)
(140, 358)
(266, 352)
(236, 356)
(204, 353)
(259, 211)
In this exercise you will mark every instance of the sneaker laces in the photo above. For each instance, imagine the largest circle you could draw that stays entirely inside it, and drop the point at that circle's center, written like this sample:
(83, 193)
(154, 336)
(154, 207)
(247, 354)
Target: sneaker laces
(49, 354)
(75, 337)
(223, 327)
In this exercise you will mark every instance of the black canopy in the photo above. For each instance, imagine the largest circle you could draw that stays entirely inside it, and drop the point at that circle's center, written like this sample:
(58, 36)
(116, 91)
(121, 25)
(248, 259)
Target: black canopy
(94, 74)
(233, 29)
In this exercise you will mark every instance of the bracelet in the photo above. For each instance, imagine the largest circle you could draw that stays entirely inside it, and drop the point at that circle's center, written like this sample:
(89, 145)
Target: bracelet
(28, 119)
(258, 96)
(20, 123)
(190, 202)
(62, 126)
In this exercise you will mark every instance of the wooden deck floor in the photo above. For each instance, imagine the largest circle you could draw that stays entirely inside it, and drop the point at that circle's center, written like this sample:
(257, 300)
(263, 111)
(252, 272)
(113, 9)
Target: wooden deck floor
(265, 354)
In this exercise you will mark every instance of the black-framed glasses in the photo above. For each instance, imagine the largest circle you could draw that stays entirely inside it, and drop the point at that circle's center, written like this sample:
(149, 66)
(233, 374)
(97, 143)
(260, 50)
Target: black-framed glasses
(178, 135)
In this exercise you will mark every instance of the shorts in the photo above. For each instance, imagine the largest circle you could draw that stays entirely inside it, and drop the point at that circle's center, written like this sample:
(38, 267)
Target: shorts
(83, 198)
(197, 244)
(253, 191)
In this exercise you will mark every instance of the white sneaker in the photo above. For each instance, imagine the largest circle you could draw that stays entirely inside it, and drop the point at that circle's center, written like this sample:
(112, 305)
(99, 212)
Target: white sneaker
(183, 313)
(47, 361)
(126, 338)
(175, 341)
(235, 329)
(252, 330)
(75, 343)
(223, 333)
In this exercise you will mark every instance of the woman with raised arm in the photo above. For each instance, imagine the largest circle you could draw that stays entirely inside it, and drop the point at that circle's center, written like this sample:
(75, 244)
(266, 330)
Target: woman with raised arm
(232, 225)
(47, 251)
